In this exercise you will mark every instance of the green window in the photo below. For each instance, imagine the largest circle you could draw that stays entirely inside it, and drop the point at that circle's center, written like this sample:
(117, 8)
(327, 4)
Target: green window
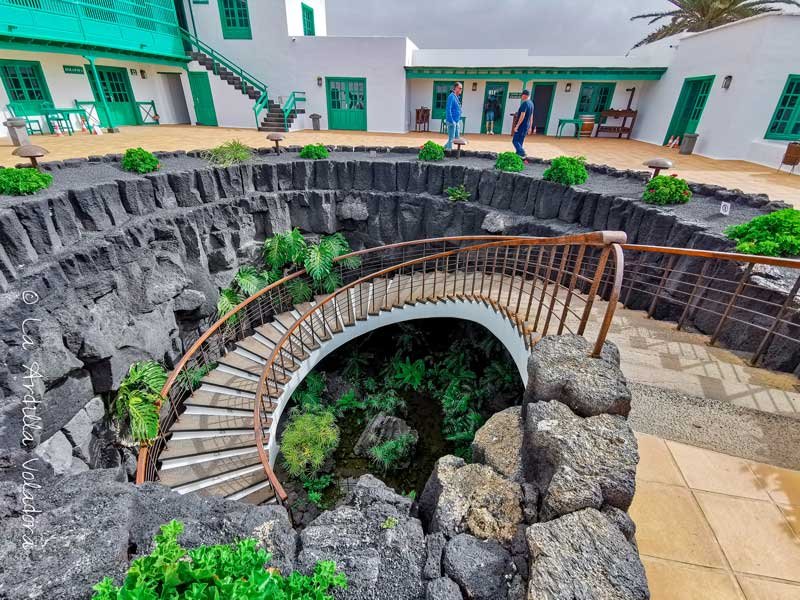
(308, 20)
(441, 90)
(25, 85)
(235, 18)
(594, 98)
(785, 124)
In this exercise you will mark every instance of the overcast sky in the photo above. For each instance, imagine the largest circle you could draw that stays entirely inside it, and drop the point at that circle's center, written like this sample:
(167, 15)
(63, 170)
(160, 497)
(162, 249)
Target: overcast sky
(545, 27)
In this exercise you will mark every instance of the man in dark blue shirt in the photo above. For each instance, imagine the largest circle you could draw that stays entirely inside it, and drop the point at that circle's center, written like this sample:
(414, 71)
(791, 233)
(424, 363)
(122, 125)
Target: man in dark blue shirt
(523, 123)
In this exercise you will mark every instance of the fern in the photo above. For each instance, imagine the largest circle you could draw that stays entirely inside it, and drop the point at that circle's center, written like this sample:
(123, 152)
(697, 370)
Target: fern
(391, 453)
(348, 402)
(308, 396)
(406, 374)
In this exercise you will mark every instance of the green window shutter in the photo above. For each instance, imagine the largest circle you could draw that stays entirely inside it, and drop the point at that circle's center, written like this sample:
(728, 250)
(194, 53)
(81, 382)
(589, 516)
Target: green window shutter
(25, 85)
(234, 16)
(594, 98)
(308, 20)
(785, 123)
(441, 90)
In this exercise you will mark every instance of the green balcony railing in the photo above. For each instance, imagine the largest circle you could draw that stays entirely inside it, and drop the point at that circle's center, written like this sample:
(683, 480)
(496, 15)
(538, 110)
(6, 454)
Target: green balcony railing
(141, 27)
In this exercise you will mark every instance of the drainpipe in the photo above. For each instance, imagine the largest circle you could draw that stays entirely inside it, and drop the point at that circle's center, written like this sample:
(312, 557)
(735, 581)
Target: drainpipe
(191, 14)
(99, 86)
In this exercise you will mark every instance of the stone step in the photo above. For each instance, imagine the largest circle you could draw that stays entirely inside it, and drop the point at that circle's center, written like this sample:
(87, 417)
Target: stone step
(210, 485)
(177, 448)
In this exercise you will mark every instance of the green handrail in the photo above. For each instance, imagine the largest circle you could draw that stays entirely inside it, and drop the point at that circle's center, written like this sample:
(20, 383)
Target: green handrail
(259, 106)
(290, 105)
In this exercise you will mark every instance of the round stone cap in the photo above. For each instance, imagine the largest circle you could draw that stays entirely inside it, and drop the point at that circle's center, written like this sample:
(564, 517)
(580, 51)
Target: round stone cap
(30, 151)
(276, 137)
(459, 141)
(658, 163)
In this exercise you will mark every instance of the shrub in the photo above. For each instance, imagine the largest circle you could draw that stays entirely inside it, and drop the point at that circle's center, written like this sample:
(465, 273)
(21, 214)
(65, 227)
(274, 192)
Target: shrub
(314, 488)
(509, 161)
(229, 153)
(458, 193)
(431, 151)
(139, 160)
(348, 402)
(314, 151)
(567, 170)
(391, 453)
(775, 234)
(308, 440)
(387, 402)
(222, 571)
(138, 399)
(406, 374)
(20, 182)
(308, 397)
(666, 189)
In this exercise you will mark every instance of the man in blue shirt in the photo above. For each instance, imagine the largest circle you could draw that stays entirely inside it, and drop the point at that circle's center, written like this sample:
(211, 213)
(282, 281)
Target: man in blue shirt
(452, 115)
(523, 123)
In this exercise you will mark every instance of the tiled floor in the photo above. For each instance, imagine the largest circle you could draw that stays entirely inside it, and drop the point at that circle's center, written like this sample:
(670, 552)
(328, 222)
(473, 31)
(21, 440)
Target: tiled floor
(712, 526)
(615, 152)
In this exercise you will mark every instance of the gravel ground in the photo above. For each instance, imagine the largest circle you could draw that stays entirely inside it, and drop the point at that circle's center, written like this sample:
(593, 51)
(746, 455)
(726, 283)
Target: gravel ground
(721, 426)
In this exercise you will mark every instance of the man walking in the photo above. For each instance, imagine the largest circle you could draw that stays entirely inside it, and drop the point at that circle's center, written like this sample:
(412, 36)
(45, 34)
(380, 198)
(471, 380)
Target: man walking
(452, 114)
(523, 123)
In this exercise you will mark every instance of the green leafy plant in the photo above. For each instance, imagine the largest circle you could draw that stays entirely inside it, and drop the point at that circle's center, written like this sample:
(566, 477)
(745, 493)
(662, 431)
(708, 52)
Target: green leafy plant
(228, 571)
(774, 234)
(300, 290)
(355, 366)
(509, 161)
(193, 376)
(567, 170)
(431, 151)
(229, 153)
(21, 182)
(284, 248)
(458, 193)
(412, 494)
(308, 440)
(308, 396)
(229, 298)
(314, 487)
(666, 189)
(139, 160)
(314, 151)
(138, 399)
(461, 420)
(389, 523)
(387, 402)
(391, 453)
(348, 402)
(404, 374)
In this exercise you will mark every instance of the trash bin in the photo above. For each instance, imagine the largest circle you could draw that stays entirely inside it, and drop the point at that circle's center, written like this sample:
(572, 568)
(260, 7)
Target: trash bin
(315, 121)
(17, 131)
(687, 143)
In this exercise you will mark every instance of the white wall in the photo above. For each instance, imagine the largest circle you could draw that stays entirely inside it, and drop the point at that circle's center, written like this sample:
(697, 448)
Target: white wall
(233, 108)
(294, 17)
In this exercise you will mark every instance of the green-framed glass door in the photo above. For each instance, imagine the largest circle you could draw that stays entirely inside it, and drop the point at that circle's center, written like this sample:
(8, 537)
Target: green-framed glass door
(118, 94)
(25, 86)
(205, 113)
(347, 103)
(542, 95)
(689, 108)
(234, 16)
(497, 91)
(594, 98)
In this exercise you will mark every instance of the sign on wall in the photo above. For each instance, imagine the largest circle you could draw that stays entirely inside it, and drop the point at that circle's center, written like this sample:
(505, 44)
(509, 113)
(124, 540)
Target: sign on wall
(515, 95)
(73, 70)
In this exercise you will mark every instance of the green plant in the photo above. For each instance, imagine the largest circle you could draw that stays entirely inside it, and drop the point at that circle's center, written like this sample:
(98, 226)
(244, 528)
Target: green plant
(314, 151)
(314, 487)
(315, 498)
(228, 571)
(138, 399)
(431, 151)
(567, 170)
(509, 161)
(389, 523)
(20, 182)
(139, 160)
(192, 376)
(666, 189)
(387, 402)
(355, 365)
(308, 396)
(229, 153)
(775, 234)
(391, 453)
(461, 420)
(404, 374)
(284, 248)
(229, 299)
(308, 440)
(458, 193)
(412, 494)
(299, 290)
(348, 402)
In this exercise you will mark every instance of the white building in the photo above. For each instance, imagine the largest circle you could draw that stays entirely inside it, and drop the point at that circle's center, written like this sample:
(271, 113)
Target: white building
(248, 63)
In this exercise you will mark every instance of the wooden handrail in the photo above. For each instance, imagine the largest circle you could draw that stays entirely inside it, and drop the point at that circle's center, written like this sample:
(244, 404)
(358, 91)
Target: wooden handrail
(757, 259)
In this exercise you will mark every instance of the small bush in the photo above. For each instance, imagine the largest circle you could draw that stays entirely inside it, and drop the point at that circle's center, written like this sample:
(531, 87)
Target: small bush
(223, 571)
(567, 170)
(775, 234)
(20, 182)
(509, 161)
(431, 151)
(314, 151)
(308, 440)
(391, 453)
(139, 160)
(667, 189)
(229, 153)
(458, 193)
(389, 523)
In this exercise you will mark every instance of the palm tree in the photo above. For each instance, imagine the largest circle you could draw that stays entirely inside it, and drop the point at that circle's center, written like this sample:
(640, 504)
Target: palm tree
(699, 15)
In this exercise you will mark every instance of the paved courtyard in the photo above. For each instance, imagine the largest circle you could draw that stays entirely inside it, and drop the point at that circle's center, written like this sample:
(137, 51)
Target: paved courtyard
(624, 154)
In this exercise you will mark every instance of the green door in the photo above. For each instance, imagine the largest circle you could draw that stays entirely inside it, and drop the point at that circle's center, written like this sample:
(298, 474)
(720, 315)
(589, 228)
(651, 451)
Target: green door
(116, 89)
(347, 103)
(689, 109)
(496, 92)
(203, 100)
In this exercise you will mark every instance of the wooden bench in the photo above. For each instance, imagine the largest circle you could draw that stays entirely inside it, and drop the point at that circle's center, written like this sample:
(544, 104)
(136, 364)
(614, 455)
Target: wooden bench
(621, 128)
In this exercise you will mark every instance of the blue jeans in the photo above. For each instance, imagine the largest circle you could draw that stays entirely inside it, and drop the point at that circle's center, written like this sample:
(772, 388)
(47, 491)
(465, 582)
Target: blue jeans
(518, 140)
(452, 133)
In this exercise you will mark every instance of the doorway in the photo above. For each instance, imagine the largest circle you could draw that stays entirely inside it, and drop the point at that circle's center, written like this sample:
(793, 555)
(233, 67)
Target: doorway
(690, 105)
(347, 103)
(174, 110)
(542, 96)
(204, 111)
(495, 93)
(118, 95)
